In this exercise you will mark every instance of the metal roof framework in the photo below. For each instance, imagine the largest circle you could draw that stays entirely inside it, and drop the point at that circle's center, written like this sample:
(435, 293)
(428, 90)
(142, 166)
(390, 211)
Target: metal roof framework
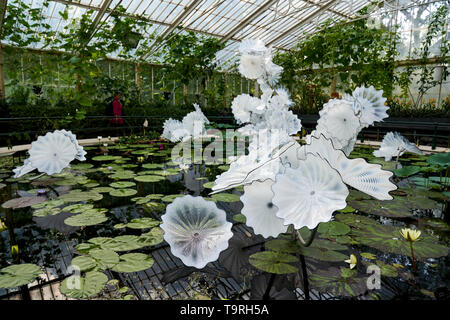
(279, 23)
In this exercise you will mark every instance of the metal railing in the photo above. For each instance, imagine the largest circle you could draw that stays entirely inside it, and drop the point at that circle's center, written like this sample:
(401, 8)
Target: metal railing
(421, 132)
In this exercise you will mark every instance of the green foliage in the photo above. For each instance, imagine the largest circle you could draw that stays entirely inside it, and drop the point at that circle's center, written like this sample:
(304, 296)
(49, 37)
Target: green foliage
(190, 56)
(436, 30)
(368, 52)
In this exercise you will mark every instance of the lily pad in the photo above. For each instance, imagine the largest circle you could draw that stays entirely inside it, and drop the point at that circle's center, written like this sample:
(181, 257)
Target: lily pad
(354, 220)
(88, 218)
(84, 287)
(48, 204)
(239, 218)
(133, 262)
(226, 197)
(78, 207)
(388, 239)
(23, 202)
(152, 238)
(333, 229)
(154, 206)
(442, 159)
(106, 158)
(83, 263)
(339, 282)
(147, 198)
(143, 223)
(104, 258)
(273, 262)
(393, 208)
(209, 185)
(81, 166)
(103, 189)
(78, 195)
(406, 171)
(18, 275)
(44, 212)
(122, 184)
(171, 197)
(122, 175)
(124, 192)
(149, 178)
(324, 250)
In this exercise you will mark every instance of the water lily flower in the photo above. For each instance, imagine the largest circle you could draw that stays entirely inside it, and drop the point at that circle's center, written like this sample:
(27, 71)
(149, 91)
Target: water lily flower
(410, 234)
(140, 159)
(2, 226)
(105, 144)
(50, 154)
(161, 147)
(196, 230)
(110, 168)
(352, 261)
(99, 137)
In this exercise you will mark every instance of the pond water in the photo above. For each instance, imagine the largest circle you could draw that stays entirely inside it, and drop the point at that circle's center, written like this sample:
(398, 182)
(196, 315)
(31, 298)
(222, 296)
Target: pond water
(113, 204)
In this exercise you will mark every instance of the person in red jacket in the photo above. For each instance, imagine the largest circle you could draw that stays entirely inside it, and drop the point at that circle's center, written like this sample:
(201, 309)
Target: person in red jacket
(117, 110)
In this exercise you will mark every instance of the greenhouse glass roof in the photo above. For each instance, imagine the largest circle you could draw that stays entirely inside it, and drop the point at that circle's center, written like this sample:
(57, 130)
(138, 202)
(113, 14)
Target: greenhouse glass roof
(280, 23)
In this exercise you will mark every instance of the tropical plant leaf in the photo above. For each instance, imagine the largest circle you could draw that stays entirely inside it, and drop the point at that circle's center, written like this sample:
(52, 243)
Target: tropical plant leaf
(84, 287)
(273, 262)
(18, 275)
(133, 262)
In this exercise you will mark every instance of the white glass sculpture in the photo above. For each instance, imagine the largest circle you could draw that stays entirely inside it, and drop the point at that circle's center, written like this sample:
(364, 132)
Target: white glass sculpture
(309, 194)
(51, 153)
(395, 145)
(196, 230)
(366, 177)
(244, 105)
(370, 104)
(259, 210)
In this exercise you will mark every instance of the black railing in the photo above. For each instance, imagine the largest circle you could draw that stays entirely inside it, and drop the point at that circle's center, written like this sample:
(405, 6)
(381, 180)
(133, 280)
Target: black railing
(431, 132)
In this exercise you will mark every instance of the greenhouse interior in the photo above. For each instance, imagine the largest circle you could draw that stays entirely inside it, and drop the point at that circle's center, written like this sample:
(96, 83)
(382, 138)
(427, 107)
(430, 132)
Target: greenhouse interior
(224, 150)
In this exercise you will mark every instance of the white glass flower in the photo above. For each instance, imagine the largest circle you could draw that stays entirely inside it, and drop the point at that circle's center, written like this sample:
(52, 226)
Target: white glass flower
(244, 105)
(252, 46)
(395, 145)
(370, 104)
(283, 119)
(196, 230)
(261, 163)
(281, 100)
(169, 126)
(259, 210)
(309, 194)
(51, 153)
(338, 121)
(22, 170)
(251, 66)
(366, 177)
(272, 72)
(80, 151)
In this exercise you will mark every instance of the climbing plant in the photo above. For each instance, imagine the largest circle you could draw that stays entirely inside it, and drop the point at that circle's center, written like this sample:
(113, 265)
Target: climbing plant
(424, 72)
